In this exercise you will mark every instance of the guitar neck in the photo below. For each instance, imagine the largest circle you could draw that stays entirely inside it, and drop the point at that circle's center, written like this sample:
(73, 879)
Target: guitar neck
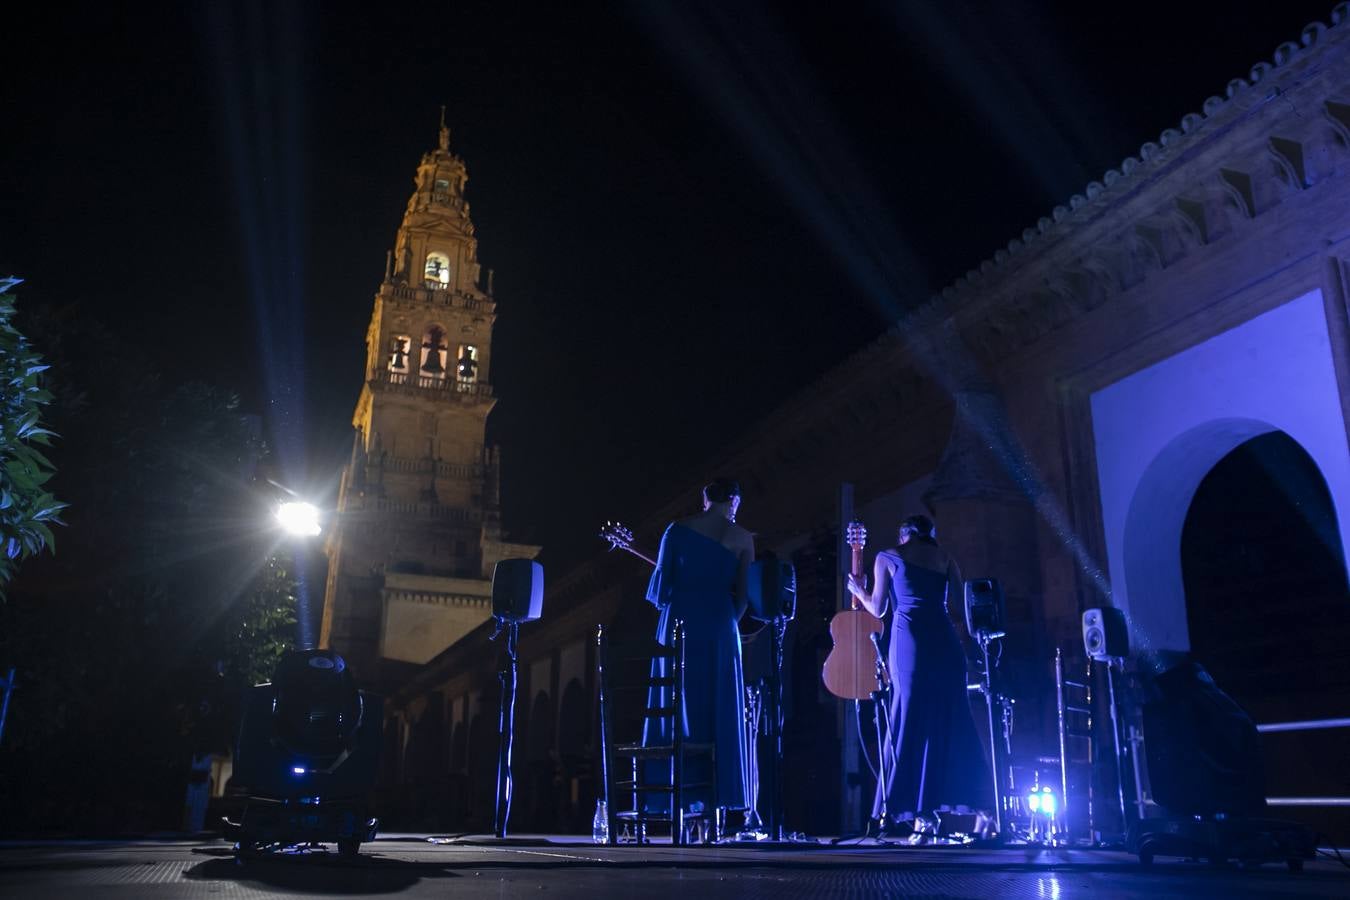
(639, 554)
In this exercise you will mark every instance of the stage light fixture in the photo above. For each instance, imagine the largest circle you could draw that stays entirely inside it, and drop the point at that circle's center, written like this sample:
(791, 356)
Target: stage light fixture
(299, 519)
(1042, 800)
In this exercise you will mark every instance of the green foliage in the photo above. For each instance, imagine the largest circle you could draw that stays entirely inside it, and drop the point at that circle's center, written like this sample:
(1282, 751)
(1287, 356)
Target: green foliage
(169, 599)
(263, 625)
(27, 510)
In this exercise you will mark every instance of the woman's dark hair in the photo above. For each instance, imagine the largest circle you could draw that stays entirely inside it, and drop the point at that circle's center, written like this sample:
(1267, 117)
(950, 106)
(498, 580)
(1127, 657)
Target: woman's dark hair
(721, 490)
(920, 527)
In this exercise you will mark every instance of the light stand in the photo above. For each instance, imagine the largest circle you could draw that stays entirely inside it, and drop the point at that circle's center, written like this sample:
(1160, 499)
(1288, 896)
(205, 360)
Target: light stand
(506, 724)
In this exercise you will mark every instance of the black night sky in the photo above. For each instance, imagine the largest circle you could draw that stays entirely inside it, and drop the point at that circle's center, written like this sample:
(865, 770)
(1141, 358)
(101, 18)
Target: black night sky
(670, 194)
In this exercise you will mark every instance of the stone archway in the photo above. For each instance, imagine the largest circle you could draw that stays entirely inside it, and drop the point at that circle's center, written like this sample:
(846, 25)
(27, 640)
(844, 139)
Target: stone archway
(1266, 597)
(1159, 431)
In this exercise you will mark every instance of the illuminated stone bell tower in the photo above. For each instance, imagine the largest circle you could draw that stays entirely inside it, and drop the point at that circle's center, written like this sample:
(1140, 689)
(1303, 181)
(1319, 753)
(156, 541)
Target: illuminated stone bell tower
(418, 527)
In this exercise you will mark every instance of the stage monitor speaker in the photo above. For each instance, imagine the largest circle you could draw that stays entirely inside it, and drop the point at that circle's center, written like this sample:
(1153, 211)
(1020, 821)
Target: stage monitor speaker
(518, 590)
(984, 608)
(773, 589)
(1105, 634)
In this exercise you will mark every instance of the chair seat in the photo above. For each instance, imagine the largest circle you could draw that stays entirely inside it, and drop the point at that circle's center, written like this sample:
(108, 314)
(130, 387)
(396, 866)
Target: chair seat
(629, 815)
(660, 788)
(656, 751)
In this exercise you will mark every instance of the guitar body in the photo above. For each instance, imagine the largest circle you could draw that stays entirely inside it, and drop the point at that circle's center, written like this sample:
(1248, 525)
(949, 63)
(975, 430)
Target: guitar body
(850, 671)
(851, 668)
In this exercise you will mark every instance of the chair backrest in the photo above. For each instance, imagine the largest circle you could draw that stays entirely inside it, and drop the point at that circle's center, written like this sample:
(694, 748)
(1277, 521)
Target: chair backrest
(626, 668)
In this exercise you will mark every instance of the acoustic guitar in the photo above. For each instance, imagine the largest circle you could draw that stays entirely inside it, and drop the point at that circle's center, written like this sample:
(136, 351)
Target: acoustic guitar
(850, 671)
(620, 537)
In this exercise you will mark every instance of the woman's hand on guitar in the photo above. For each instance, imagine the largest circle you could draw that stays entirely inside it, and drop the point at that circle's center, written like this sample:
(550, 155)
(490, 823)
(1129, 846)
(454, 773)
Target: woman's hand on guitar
(856, 587)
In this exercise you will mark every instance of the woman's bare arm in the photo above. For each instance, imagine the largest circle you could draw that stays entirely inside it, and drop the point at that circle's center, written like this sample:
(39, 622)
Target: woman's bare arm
(878, 599)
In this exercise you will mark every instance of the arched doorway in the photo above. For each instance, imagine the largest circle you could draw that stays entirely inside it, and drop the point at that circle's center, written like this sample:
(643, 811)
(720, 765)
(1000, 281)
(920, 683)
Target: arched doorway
(1265, 582)
(1159, 431)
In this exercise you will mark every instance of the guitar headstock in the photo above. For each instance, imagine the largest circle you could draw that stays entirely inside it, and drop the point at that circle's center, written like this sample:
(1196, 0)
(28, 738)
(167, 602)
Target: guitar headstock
(620, 536)
(856, 535)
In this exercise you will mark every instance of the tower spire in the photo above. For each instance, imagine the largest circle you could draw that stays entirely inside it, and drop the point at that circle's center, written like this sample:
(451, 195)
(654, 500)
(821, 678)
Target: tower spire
(445, 132)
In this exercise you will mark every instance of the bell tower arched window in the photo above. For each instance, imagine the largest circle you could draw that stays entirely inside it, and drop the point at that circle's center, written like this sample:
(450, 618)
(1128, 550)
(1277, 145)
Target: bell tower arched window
(437, 272)
(466, 364)
(433, 353)
(400, 354)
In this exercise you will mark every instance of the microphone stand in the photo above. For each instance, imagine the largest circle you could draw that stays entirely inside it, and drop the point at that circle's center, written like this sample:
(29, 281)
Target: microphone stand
(881, 709)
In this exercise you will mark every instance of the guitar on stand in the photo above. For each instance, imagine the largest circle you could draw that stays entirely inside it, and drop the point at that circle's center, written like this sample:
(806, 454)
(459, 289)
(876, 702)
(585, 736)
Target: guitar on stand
(856, 668)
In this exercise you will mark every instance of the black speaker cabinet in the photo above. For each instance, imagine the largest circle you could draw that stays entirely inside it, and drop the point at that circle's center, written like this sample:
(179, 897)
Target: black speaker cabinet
(984, 608)
(518, 590)
(1105, 634)
(773, 589)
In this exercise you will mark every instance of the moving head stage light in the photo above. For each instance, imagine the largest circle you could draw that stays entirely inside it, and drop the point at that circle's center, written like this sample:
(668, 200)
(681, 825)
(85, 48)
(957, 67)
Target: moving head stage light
(1204, 763)
(308, 755)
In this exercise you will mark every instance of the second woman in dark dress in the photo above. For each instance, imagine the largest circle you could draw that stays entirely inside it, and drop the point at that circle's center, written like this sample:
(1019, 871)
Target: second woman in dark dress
(933, 760)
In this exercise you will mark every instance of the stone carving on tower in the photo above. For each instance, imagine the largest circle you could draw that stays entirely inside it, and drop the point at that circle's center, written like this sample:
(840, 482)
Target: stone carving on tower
(418, 528)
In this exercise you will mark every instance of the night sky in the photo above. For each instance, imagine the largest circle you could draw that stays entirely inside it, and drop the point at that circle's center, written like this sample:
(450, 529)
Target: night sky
(693, 209)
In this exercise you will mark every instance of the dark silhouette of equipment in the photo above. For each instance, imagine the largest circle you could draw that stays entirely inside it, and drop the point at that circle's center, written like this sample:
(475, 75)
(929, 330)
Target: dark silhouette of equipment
(517, 596)
(1205, 769)
(984, 609)
(517, 590)
(308, 755)
(984, 623)
(773, 589)
(773, 599)
(1105, 634)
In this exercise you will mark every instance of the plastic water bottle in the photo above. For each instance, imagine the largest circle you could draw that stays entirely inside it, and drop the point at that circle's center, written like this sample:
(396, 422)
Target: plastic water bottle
(600, 824)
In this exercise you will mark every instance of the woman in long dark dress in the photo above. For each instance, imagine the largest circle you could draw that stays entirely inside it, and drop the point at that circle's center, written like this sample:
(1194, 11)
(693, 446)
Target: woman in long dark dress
(701, 576)
(934, 760)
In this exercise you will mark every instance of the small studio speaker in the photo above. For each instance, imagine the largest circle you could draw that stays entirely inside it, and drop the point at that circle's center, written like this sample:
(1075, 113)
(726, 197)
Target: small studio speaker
(984, 608)
(1105, 635)
(518, 590)
(773, 589)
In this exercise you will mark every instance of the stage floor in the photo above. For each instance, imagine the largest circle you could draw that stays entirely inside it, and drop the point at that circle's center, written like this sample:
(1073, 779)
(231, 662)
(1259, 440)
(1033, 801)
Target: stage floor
(566, 867)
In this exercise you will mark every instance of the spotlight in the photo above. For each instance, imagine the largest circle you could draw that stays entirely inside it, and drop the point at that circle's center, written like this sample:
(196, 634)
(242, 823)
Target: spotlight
(299, 519)
(1042, 800)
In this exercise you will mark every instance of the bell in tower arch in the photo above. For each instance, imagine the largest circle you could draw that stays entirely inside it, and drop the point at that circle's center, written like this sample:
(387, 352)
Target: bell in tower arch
(433, 348)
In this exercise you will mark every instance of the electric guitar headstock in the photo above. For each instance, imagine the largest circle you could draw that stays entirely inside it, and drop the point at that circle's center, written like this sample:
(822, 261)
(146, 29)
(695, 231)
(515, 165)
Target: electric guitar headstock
(856, 535)
(620, 536)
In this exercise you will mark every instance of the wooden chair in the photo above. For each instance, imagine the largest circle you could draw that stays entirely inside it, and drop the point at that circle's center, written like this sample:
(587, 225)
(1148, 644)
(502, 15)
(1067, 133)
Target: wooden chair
(632, 755)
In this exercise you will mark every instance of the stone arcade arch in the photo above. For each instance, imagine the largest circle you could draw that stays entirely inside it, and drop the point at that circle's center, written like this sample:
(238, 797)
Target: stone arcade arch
(1159, 431)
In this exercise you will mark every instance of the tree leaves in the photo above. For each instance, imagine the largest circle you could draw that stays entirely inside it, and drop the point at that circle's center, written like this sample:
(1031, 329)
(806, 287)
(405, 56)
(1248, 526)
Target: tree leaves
(26, 510)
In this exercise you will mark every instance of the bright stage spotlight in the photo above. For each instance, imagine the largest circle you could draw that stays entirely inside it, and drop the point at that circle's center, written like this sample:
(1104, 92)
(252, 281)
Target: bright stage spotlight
(1042, 800)
(299, 519)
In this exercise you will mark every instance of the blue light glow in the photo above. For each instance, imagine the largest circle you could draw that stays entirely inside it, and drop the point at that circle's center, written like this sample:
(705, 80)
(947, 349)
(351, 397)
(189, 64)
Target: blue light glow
(298, 770)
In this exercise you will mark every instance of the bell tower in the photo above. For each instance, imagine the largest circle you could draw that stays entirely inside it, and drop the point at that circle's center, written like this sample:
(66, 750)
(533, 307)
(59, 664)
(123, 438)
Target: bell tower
(418, 527)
